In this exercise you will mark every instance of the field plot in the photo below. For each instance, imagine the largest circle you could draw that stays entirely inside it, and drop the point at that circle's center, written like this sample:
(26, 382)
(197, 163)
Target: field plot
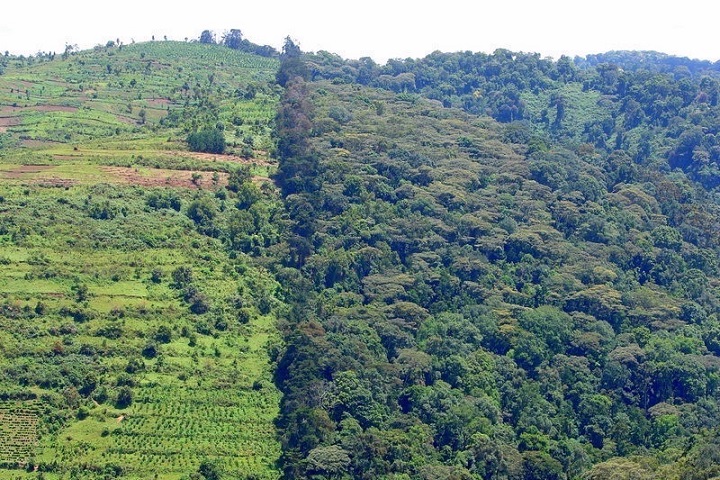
(18, 433)
(134, 373)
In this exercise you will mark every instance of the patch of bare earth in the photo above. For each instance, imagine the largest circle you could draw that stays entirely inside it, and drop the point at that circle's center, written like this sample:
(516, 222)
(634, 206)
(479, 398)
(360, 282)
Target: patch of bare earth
(38, 143)
(8, 110)
(25, 170)
(127, 120)
(6, 122)
(158, 177)
(158, 102)
(217, 157)
(54, 108)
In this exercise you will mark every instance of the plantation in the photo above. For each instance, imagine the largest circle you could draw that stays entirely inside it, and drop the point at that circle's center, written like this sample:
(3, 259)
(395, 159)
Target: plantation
(18, 425)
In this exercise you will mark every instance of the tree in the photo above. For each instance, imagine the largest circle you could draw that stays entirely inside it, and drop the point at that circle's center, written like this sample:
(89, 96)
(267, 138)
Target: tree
(290, 48)
(81, 292)
(291, 64)
(202, 211)
(541, 466)
(331, 460)
(207, 37)
(182, 277)
(233, 39)
(210, 470)
(124, 397)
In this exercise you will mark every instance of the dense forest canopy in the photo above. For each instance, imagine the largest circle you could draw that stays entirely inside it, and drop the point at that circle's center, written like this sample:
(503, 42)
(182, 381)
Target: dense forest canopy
(527, 297)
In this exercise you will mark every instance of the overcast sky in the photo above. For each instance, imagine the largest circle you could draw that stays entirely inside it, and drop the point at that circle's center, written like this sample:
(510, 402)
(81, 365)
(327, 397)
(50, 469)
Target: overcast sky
(380, 29)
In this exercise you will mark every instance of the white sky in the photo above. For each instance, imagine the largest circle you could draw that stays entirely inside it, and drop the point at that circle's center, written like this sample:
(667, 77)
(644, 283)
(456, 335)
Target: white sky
(380, 29)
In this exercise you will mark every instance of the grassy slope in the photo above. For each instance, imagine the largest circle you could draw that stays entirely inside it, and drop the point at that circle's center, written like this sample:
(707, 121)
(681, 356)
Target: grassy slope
(88, 109)
(208, 392)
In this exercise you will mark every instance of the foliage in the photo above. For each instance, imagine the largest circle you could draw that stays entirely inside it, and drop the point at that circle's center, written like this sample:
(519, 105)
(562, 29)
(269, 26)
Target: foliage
(208, 140)
(135, 334)
(503, 299)
(485, 265)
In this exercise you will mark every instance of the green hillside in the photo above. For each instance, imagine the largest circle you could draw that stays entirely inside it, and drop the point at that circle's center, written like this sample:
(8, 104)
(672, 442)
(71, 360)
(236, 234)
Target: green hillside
(218, 264)
(529, 296)
(137, 323)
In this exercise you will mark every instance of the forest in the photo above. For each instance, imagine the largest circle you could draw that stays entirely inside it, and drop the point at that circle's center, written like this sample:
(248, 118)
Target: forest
(512, 264)
(463, 266)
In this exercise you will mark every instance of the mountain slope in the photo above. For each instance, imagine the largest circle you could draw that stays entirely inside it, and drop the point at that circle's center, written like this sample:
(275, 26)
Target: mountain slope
(137, 323)
(489, 300)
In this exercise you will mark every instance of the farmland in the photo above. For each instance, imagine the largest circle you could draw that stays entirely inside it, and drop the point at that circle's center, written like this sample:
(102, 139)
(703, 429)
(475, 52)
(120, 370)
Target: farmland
(136, 335)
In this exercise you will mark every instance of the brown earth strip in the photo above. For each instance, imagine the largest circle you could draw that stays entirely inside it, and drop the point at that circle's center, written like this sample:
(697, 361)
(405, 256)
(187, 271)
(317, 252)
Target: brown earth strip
(158, 102)
(54, 108)
(23, 170)
(38, 143)
(216, 157)
(8, 111)
(9, 121)
(158, 177)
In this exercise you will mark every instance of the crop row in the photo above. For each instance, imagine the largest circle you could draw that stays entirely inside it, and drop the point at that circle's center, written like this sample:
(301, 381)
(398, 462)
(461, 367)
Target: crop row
(18, 433)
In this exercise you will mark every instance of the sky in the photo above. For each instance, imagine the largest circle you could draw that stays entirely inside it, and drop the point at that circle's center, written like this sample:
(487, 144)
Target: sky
(380, 29)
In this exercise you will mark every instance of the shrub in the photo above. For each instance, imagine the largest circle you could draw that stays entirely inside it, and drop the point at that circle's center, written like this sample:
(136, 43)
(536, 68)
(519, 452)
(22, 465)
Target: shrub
(156, 275)
(163, 334)
(182, 277)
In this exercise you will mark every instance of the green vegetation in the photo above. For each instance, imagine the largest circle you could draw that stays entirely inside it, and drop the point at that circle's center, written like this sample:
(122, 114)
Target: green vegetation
(137, 335)
(531, 296)
(209, 140)
(488, 266)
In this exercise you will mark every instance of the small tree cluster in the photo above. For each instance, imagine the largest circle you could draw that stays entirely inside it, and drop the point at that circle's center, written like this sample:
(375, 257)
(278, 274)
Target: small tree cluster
(208, 140)
(207, 36)
(167, 199)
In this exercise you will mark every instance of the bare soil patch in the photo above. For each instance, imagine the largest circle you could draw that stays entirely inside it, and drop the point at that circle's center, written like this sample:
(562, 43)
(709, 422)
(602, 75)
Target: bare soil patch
(24, 170)
(158, 177)
(6, 122)
(158, 102)
(6, 110)
(9, 121)
(217, 157)
(38, 143)
(54, 108)
(126, 119)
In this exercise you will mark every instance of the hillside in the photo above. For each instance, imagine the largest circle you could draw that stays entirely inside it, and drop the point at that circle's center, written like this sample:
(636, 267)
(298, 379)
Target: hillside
(465, 266)
(137, 324)
(518, 297)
